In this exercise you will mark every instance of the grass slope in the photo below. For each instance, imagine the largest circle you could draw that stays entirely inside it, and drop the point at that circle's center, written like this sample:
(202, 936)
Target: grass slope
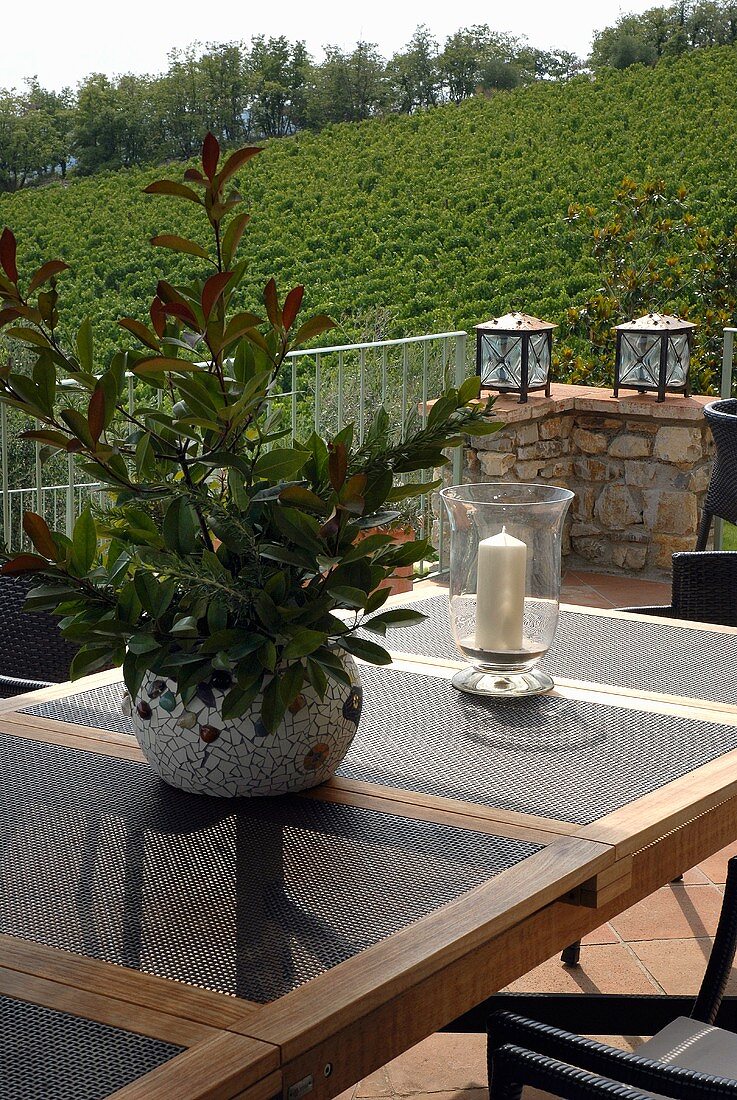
(443, 218)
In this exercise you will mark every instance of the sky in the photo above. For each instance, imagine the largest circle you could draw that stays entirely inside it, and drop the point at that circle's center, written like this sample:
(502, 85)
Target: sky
(61, 41)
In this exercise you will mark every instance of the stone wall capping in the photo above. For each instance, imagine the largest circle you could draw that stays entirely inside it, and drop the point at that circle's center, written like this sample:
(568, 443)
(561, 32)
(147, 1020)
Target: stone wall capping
(584, 399)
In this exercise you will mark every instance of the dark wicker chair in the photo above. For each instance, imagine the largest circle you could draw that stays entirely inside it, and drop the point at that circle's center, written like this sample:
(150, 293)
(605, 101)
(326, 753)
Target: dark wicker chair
(704, 588)
(689, 1059)
(721, 495)
(33, 653)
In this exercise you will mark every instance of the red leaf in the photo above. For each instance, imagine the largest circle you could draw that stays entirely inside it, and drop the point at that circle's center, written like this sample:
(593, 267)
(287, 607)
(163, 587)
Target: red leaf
(46, 272)
(337, 466)
(140, 331)
(38, 532)
(235, 161)
(8, 250)
(7, 315)
(212, 290)
(210, 155)
(23, 563)
(314, 327)
(292, 304)
(182, 312)
(157, 314)
(194, 176)
(96, 413)
(171, 187)
(271, 302)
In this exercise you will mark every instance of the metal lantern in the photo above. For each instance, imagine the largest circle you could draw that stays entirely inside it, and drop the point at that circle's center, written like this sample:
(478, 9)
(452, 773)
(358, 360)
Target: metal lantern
(653, 354)
(513, 354)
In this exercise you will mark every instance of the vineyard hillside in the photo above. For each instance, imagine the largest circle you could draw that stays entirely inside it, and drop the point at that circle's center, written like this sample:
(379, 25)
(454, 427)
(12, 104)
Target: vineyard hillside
(416, 223)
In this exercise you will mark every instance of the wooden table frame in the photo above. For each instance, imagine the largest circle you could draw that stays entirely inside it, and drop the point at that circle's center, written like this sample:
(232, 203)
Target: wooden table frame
(326, 1035)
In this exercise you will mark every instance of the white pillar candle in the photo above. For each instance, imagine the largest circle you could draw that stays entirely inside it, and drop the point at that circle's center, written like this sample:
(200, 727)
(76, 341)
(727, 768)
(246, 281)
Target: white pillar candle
(500, 593)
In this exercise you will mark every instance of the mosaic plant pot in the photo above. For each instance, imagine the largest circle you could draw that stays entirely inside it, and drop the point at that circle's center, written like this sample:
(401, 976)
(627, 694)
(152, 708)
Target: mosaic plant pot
(194, 749)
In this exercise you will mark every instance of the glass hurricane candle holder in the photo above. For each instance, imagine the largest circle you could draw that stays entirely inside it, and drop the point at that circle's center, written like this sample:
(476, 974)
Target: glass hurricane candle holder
(505, 548)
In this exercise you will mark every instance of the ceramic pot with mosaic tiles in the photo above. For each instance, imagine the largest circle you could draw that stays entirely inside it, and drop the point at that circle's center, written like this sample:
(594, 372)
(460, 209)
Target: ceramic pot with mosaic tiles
(194, 749)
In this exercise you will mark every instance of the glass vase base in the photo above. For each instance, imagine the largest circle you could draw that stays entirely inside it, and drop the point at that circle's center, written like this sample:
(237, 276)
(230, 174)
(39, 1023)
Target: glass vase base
(502, 685)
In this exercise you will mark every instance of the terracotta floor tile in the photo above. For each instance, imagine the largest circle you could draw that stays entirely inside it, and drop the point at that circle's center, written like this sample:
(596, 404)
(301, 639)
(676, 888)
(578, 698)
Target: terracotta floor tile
(583, 597)
(442, 1063)
(674, 912)
(678, 965)
(605, 968)
(461, 1094)
(375, 1085)
(694, 877)
(603, 934)
(715, 867)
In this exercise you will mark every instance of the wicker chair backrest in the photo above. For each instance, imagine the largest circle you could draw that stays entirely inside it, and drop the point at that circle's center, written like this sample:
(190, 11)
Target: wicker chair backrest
(721, 496)
(705, 586)
(31, 647)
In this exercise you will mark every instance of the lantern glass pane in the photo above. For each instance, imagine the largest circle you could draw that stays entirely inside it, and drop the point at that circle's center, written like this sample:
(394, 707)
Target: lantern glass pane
(501, 361)
(539, 362)
(676, 373)
(639, 362)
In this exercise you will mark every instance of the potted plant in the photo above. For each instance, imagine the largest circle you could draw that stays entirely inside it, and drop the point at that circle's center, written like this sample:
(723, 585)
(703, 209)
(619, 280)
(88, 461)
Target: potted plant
(227, 574)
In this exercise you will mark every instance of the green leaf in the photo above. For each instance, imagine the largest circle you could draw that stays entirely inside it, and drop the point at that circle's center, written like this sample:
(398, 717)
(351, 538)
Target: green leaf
(142, 643)
(85, 351)
(78, 424)
(89, 659)
(317, 678)
(281, 464)
(400, 616)
(185, 627)
(180, 244)
(304, 643)
(346, 594)
(367, 651)
(232, 236)
(84, 542)
(470, 390)
(238, 700)
(272, 706)
(290, 681)
(145, 457)
(179, 527)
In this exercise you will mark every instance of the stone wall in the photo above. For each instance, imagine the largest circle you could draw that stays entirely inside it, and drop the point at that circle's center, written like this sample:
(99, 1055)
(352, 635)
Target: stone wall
(639, 470)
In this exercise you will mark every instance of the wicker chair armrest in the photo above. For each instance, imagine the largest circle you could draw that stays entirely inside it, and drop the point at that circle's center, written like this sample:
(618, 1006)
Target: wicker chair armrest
(514, 1067)
(666, 610)
(597, 1058)
(10, 686)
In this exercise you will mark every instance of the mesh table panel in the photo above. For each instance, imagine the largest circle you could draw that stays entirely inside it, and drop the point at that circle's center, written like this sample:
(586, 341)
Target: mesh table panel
(251, 898)
(568, 759)
(51, 1055)
(644, 656)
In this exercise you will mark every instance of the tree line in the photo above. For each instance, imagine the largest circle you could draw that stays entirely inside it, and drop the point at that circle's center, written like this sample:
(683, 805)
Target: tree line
(271, 87)
(268, 88)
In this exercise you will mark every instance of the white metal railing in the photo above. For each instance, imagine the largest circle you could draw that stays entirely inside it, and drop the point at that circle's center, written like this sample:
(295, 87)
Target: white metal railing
(323, 389)
(725, 390)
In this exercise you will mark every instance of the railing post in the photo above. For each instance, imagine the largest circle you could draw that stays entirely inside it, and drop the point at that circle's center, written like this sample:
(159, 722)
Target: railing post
(725, 391)
(459, 375)
(69, 524)
(5, 472)
(727, 363)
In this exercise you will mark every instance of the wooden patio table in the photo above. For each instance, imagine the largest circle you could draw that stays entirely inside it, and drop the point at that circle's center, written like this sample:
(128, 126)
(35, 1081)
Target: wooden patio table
(292, 947)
